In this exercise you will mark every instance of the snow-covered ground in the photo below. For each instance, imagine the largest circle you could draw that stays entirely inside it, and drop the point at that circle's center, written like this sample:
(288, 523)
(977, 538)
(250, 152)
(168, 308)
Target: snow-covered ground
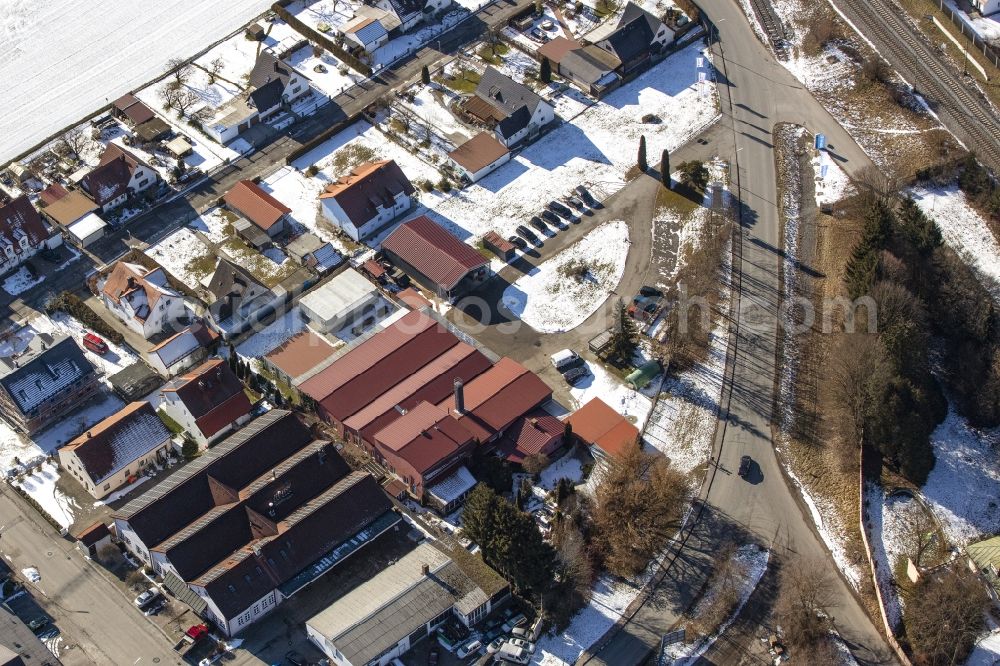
(964, 485)
(411, 42)
(551, 299)
(430, 104)
(268, 338)
(892, 522)
(175, 253)
(58, 43)
(20, 281)
(965, 230)
(987, 651)
(835, 185)
(752, 561)
(622, 398)
(335, 78)
(567, 467)
(118, 357)
(40, 485)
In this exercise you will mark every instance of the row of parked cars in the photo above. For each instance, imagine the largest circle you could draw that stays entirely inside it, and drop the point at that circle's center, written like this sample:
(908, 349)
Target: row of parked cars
(555, 217)
(570, 365)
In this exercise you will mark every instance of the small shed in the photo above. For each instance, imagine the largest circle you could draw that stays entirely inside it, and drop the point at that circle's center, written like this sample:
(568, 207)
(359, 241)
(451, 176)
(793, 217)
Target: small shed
(93, 539)
(499, 245)
(134, 382)
(641, 376)
(600, 343)
(87, 229)
(255, 237)
(152, 130)
(255, 32)
(179, 147)
(374, 270)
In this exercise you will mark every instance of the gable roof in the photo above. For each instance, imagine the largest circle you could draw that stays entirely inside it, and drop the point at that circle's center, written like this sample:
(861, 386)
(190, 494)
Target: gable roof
(66, 206)
(113, 151)
(19, 219)
(366, 30)
(267, 96)
(212, 394)
(428, 247)
(268, 68)
(119, 440)
(50, 368)
(631, 39)
(300, 354)
(249, 200)
(136, 111)
(183, 343)
(140, 287)
(596, 423)
(424, 436)
(478, 152)
(367, 187)
(633, 11)
(108, 181)
(556, 49)
(530, 434)
(515, 102)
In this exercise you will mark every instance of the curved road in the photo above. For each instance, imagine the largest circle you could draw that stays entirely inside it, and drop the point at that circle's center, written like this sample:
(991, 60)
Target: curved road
(756, 94)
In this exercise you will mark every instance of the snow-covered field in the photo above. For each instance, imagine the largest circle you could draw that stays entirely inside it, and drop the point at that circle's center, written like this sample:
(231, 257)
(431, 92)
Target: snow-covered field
(964, 485)
(430, 104)
(620, 397)
(175, 253)
(20, 281)
(965, 230)
(59, 42)
(40, 485)
(550, 299)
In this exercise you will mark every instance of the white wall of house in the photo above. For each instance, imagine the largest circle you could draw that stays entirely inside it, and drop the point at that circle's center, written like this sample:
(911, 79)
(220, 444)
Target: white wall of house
(221, 132)
(70, 462)
(114, 203)
(166, 310)
(541, 117)
(987, 6)
(176, 356)
(132, 542)
(254, 612)
(485, 171)
(335, 214)
(13, 255)
(142, 178)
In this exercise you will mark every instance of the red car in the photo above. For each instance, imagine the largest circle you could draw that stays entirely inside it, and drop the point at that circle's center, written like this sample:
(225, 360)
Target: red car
(95, 344)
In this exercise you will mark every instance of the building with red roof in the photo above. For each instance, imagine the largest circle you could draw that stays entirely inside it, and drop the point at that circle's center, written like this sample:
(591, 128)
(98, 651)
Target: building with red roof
(118, 175)
(249, 200)
(421, 400)
(370, 197)
(208, 402)
(435, 258)
(604, 430)
(537, 433)
(22, 233)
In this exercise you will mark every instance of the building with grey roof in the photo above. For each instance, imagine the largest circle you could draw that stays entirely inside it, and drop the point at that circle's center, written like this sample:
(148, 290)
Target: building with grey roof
(513, 110)
(42, 378)
(384, 617)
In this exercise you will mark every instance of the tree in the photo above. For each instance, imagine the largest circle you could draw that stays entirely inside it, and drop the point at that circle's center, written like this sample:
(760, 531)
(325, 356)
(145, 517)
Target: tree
(479, 514)
(856, 359)
(921, 231)
(694, 174)
(625, 339)
(545, 71)
(641, 161)
(425, 75)
(665, 169)
(189, 449)
(180, 70)
(538, 7)
(638, 503)
(944, 616)
(523, 493)
(492, 470)
(535, 463)
(75, 141)
(178, 99)
(806, 597)
(568, 438)
(215, 68)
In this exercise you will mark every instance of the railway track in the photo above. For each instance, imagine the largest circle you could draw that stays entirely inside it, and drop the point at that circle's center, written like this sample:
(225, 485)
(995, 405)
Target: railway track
(772, 25)
(941, 87)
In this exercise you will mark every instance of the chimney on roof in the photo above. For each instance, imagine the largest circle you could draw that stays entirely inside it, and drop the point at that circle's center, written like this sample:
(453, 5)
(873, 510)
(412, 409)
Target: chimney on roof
(89, 434)
(425, 570)
(459, 396)
(534, 422)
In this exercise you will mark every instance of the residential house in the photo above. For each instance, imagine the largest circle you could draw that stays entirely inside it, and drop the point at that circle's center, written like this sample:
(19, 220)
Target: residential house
(513, 110)
(382, 618)
(117, 450)
(141, 298)
(74, 212)
(986, 7)
(421, 400)
(346, 302)
(119, 175)
(182, 350)
(539, 433)
(369, 29)
(239, 299)
(42, 379)
(253, 520)
(637, 36)
(276, 85)
(22, 233)
(479, 156)
(208, 402)
(601, 428)
(299, 358)
(248, 199)
(367, 199)
(590, 67)
(435, 258)
(408, 13)
(311, 252)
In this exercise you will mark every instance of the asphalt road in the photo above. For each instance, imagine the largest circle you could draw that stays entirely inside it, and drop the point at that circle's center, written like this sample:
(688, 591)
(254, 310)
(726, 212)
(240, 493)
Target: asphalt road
(756, 93)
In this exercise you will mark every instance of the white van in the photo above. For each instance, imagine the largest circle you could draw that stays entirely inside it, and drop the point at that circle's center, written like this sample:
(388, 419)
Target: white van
(510, 652)
(562, 360)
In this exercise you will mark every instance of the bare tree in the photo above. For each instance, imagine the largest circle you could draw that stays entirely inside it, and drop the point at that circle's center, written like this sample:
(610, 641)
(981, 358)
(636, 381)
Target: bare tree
(180, 70)
(920, 534)
(944, 615)
(535, 463)
(805, 599)
(214, 68)
(856, 359)
(75, 141)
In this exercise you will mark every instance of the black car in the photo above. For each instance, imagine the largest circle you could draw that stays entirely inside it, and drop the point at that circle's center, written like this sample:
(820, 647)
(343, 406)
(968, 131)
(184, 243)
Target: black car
(433, 655)
(550, 217)
(518, 242)
(294, 658)
(576, 203)
(648, 291)
(744, 466)
(537, 223)
(527, 233)
(587, 197)
(38, 624)
(573, 375)
(560, 209)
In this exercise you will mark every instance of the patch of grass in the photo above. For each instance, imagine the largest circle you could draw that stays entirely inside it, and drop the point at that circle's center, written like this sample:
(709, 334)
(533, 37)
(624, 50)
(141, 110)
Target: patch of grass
(351, 156)
(202, 266)
(675, 200)
(172, 425)
(262, 268)
(605, 7)
(492, 53)
(464, 80)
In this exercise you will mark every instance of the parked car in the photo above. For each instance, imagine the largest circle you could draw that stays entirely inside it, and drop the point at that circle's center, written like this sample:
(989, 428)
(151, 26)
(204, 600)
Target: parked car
(537, 223)
(587, 197)
(560, 210)
(38, 624)
(147, 597)
(518, 620)
(522, 632)
(512, 653)
(518, 242)
(576, 203)
(521, 643)
(745, 466)
(469, 649)
(95, 344)
(433, 655)
(646, 290)
(538, 35)
(294, 658)
(550, 217)
(565, 359)
(547, 24)
(496, 644)
(528, 234)
(573, 375)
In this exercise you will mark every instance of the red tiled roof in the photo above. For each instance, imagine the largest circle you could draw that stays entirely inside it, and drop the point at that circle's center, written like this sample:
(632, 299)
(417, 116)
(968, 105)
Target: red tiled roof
(19, 216)
(413, 299)
(108, 181)
(52, 193)
(597, 424)
(497, 397)
(114, 151)
(118, 440)
(222, 416)
(498, 241)
(93, 534)
(428, 247)
(478, 152)
(530, 434)
(424, 436)
(213, 395)
(373, 268)
(249, 200)
(369, 185)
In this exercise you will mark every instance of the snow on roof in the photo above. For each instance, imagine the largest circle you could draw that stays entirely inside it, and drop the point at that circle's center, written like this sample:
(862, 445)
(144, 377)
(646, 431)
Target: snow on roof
(86, 225)
(453, 486)
(48, 373)
(343, 293)
(119, 440)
